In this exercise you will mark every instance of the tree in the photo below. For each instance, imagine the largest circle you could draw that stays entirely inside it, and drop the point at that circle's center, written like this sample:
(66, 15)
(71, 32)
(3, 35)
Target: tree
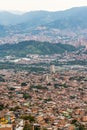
(26, 95)
(1, 107)
(23, 84)
(27, 127)
(29, 117)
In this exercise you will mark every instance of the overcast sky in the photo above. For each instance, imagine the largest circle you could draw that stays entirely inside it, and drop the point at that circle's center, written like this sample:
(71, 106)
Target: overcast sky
(51, 5)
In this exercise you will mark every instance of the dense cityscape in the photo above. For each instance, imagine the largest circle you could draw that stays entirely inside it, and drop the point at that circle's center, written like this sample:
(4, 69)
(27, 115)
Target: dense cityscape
(43, 68)
(54, 98)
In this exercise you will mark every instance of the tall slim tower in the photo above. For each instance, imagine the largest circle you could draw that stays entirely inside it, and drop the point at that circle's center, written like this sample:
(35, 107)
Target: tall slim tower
(52, 68)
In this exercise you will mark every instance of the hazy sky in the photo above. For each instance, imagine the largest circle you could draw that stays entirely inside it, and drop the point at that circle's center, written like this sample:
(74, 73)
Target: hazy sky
(51, 5)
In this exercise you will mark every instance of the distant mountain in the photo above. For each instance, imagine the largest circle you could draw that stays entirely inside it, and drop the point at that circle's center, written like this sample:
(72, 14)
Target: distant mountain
(74, 17)
(11, 18)
(7, 18)
(16, 12)
(34, 47)
(68, 26)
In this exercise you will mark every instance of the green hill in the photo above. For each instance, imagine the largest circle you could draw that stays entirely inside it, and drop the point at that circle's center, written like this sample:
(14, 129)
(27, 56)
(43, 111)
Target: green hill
(34, 47)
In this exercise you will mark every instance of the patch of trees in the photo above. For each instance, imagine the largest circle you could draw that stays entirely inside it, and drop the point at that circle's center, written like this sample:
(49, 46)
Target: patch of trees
(78, 125)
(30, 118)
(1, 107)
(26, 96)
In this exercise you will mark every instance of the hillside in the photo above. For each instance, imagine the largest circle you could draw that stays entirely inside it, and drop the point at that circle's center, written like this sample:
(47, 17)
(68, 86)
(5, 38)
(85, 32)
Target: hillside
(73, 15)
(69, 19)
(68, 26)
(34, 47)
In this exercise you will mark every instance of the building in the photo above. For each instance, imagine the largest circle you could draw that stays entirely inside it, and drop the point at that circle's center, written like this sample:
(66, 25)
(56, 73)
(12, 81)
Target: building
(6, 127)
(52, 69)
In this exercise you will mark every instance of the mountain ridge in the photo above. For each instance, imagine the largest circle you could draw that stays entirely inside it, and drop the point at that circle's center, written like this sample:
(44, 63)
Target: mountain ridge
(68, 26)
(41, 13)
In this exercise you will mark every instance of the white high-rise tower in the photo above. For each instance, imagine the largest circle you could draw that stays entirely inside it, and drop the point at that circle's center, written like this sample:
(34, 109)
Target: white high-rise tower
(52, 68)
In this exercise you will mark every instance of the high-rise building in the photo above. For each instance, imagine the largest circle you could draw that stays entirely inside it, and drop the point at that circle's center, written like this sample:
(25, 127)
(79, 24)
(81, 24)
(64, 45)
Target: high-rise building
(52, 68)
(47, 78)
